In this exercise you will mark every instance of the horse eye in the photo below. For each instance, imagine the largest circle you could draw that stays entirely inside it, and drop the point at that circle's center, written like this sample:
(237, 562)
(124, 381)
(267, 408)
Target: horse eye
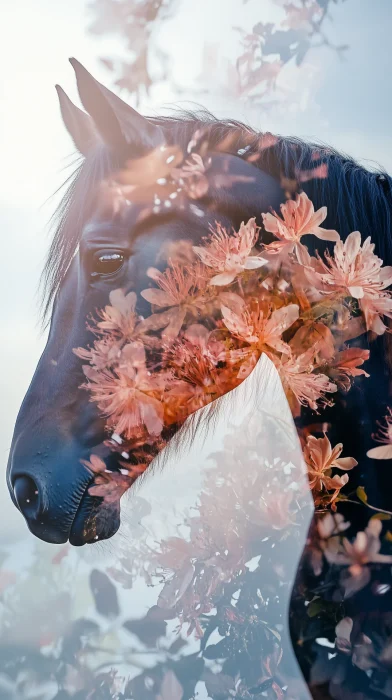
(107, 263)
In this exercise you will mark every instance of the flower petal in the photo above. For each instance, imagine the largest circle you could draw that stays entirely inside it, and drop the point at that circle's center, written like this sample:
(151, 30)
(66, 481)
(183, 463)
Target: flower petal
(174, 326)
(345, 463)
(270, 222)
(352, 245)
(151, 412)
(285, 317)
(326, 234)
(134, 353)
(125, 304)
(223, 278)
(203, 254)
(197, 334)
(253, 262)
(380, 452)
(157, 297)
(233, 301)
(356, 292)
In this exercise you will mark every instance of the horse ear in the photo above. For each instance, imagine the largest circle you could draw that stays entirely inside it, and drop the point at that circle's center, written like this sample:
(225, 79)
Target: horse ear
(78, 124)
(118, 124)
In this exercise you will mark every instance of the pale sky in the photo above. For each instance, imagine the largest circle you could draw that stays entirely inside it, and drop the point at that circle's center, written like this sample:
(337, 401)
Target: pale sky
(347, 104)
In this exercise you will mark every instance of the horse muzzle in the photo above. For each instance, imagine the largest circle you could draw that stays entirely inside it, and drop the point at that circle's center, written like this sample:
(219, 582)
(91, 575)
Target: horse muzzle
(50, 488)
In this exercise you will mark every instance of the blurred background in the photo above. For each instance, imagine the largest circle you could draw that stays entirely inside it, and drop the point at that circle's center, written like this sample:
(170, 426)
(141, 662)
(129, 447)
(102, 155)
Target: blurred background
(317, 69)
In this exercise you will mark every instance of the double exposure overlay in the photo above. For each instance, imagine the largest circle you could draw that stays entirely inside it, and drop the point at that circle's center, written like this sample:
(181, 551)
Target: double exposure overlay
(201, 460)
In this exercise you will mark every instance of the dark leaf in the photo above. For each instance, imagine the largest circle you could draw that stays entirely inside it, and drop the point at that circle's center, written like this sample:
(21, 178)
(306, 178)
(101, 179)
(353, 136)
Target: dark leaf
(212, 625)
(75, 638)
(267, 683)
(189, 670)
(178, 644)
(104, 593)
(149, 628)
(217, 651)
(146, 685)
(282, 43)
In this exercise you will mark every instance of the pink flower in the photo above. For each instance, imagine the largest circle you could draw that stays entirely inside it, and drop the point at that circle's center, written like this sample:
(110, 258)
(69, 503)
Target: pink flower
(128, 394)
(328, 526)
(261, 327)
(301, 383)
(179, 289)
(216, 350)
(373, 307)
(107, 485)
(195, 362)
(104, 353)
(320, 459)
(119, 322)
(357, 555)
(331, 525)
(229, 255)
(355, 268)
(360, 648)
(345, 366)
(357, 271)
(343, 635)
(299, 219)
(384, 435)
(176, 285)
(95, 464)
(120, 316)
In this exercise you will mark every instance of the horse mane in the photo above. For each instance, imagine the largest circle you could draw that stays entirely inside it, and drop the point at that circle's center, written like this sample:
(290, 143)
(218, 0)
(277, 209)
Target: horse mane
(356, 198)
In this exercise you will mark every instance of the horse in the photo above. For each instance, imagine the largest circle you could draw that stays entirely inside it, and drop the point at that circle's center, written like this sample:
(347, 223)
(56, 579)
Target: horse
(94, 251)
(98, 248)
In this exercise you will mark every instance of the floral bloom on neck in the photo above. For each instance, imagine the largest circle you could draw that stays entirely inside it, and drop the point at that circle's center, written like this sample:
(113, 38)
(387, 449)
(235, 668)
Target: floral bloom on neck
(213, 315)
(354, 270)
(298, 219)
(229, 254)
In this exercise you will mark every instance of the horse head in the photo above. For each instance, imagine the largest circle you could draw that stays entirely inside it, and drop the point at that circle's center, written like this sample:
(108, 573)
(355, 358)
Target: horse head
(100, 247)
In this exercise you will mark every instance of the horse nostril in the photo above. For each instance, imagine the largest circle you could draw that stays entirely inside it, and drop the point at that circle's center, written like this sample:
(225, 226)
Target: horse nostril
(27, 496)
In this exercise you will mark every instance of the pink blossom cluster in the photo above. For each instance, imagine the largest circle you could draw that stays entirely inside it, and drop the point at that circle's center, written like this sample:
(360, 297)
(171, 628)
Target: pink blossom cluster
(217, 309)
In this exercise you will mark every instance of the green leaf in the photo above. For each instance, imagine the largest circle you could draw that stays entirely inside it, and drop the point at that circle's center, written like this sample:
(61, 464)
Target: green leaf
(361, 493)
(315, 607)
(380, 516)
